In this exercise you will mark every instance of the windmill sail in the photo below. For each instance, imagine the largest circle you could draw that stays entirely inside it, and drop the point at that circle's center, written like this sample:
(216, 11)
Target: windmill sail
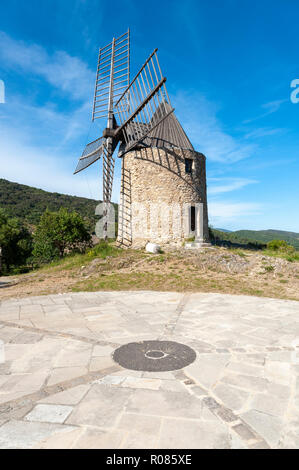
(133, 110)
(108, 171)
(168, 134)
(91, 154)
(113, 74)
(144, 104)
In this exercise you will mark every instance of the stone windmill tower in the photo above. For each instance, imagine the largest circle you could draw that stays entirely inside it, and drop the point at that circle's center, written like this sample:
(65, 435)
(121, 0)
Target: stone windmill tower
(163, 184)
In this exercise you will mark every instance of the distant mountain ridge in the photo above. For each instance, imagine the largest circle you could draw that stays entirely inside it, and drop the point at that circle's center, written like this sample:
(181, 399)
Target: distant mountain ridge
(262, 236)
(223, 230)
(292, 238)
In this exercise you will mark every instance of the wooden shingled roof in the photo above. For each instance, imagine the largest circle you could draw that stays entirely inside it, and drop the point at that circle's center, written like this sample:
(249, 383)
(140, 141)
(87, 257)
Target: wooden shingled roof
(168, 134)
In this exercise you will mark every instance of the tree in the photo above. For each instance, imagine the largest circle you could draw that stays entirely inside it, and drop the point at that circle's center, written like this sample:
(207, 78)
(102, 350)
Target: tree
(58, 233)
(15, 242)
(280, 245)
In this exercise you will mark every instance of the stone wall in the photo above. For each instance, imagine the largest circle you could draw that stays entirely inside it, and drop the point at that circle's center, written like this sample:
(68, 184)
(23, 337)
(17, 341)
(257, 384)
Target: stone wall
(156, 195)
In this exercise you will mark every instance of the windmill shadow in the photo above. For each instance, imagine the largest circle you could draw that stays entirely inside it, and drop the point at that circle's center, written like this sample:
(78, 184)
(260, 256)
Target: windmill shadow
(171, 164)
(4, 284)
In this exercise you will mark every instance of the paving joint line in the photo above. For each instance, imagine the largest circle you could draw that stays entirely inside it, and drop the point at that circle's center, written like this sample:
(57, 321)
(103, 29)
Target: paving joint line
(11, 406)
(59, 334)
(234, 422)
(171, 325)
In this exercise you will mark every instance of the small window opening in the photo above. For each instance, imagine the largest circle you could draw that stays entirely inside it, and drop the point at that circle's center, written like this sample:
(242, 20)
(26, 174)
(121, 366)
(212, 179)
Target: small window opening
(188, 165)
(192, 219)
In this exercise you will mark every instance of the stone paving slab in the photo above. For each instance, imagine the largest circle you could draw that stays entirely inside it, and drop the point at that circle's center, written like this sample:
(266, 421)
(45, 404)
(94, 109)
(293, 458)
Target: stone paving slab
(49, 413)
(60, 388)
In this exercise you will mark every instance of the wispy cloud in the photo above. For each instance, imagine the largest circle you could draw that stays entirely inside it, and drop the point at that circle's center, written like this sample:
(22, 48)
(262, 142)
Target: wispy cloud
(40, 142)
(264, 132)
(199, 118)
(270, 108)
(69, 74)
(44, 125)
(229, 212)
(225, 185)
(49, 169)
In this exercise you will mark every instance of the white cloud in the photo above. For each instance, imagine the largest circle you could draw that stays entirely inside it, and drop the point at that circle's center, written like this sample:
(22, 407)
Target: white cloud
(263, 132)
(40, 145)
(273, 106)
(69, 74)
(270, 108)
(50, 171)
(199, 119)
(224, 185)
(228, 212)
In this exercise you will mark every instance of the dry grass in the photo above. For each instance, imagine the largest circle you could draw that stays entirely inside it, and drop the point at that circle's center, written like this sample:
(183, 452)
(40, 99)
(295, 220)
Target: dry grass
(213, 270)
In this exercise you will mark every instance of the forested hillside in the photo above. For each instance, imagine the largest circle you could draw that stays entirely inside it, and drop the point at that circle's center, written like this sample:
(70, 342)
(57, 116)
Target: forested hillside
(28, 203)
(264, 236)
(257, 237)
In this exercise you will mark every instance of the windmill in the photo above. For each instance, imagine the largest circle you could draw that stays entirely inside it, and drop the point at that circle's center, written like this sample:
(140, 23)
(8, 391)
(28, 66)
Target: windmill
(132, 109)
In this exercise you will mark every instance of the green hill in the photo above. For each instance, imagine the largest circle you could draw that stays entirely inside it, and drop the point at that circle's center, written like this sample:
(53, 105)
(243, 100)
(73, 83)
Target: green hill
(264, 236)
(28, 203)
(257, 236)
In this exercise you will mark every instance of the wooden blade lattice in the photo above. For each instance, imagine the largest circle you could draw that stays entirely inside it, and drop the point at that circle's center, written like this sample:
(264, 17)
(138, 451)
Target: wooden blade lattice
(144, 104)
(91, 154)
(113, 74)
(108, 169)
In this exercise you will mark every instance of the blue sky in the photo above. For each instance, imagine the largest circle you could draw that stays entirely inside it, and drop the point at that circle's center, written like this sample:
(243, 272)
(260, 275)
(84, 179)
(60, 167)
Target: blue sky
(229, 67)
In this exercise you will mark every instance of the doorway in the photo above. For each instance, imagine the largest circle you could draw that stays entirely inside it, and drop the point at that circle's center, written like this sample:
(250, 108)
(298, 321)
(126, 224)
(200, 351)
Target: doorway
(192, 219)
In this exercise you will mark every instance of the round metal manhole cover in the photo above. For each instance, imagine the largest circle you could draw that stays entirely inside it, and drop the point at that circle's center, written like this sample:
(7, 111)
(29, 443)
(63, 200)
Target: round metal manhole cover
(154, 356)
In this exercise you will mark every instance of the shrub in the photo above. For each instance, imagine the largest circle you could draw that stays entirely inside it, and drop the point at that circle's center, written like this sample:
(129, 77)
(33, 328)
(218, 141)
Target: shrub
(59, 233)
(269, 268)
(15, 243)
(280, 245)
(102, 250)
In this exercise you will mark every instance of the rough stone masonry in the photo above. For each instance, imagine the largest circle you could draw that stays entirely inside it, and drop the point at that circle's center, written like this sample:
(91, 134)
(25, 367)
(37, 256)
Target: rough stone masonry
(159, 187)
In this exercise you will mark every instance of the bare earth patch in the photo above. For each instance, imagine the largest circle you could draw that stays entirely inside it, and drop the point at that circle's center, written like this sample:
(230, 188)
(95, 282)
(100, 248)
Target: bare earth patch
(209, 270)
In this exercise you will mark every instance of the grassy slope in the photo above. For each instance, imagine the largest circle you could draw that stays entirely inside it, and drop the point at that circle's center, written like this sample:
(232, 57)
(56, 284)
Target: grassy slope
(106, 267)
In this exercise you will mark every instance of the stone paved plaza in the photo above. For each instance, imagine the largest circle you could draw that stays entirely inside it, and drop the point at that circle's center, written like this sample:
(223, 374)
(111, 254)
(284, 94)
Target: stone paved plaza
(60, 388)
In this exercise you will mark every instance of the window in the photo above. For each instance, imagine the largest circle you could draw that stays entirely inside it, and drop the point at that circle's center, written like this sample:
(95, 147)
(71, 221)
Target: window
(188, 165)
(192, 219)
